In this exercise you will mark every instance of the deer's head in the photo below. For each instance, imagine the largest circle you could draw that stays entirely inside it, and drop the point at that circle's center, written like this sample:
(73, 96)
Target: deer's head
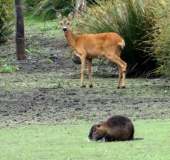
(65, 22)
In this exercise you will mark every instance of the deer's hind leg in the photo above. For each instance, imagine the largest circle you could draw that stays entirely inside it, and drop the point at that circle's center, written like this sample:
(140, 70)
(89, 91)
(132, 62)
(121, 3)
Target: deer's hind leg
(121, 67)
(89, 61)
(120, 76)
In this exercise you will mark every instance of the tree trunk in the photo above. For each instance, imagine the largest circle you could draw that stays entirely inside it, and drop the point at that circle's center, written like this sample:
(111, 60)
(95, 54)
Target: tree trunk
(20, 47)
(80, 7)
(80, 11)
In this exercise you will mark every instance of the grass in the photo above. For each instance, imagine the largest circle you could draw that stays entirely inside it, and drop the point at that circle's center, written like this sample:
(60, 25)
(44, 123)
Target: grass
(69, 141)
(41, 25)
(8, 69)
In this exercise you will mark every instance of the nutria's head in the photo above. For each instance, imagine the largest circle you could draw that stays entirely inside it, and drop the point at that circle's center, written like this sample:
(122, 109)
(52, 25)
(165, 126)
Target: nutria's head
(97, 132)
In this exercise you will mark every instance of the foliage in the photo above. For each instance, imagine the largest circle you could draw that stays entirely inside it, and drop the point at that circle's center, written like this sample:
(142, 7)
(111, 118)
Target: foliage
(31, 3)
(133, 20)
(8, 69)
(62, 84)
(46, 8)
(161, 43)
(6, 16)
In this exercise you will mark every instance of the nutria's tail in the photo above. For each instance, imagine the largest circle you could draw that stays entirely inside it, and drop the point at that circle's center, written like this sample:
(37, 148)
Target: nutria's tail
(138, 138)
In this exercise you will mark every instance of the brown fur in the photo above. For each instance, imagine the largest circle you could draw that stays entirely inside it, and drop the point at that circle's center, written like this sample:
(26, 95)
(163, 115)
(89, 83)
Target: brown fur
(116, 128)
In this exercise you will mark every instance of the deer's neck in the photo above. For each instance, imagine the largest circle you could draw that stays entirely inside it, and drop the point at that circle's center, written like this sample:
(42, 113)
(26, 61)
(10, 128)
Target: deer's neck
(71, 37)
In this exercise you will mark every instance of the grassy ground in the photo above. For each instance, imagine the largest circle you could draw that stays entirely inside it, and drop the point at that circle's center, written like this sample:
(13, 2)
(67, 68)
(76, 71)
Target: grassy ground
(69, 141)
(44, 114)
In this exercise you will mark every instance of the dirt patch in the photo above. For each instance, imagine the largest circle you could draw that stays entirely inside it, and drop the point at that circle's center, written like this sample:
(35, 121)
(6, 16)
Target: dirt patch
(46, 90)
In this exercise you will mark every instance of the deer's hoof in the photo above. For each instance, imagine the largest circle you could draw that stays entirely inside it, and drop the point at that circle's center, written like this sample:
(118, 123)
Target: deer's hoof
(83, 86)
(118, 87)
(91, 86)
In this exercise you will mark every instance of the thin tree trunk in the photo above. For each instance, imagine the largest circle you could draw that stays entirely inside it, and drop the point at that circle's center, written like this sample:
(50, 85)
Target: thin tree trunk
(20, 46)
(80, 11)
(80, 7)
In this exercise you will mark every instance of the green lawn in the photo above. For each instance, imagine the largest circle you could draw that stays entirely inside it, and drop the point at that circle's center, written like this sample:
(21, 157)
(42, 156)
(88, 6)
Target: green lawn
(69, 141)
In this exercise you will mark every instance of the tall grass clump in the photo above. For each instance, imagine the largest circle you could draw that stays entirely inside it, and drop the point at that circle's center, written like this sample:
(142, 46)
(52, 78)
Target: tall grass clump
(46, 9)
(133, 20)
(6, 17)
(161, 43)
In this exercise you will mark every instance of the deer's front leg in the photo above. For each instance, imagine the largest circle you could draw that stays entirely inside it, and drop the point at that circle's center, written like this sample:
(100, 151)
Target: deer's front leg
(83, 63)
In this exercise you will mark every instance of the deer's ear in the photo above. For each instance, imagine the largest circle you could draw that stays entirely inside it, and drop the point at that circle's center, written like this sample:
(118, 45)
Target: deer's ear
(58, 15)
(71, 16)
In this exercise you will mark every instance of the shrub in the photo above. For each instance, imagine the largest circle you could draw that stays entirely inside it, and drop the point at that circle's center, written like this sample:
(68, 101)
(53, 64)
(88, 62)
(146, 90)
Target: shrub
(161, 43)
(6, 16)
(46, 9)
(8, 69)
(31, 3)
(133, 20)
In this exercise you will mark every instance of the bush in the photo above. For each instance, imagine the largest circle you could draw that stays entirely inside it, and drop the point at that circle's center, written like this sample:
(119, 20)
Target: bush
(6, 16)
(161, 44)
(31, 3)
(8, 69)
(133, 20)
(46, 9)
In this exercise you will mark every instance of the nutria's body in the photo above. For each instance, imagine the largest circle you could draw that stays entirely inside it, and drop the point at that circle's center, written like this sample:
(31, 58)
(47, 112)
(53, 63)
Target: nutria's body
(116, 128)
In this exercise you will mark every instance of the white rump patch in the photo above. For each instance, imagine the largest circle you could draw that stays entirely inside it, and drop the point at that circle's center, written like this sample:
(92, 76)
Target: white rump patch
(122, 44)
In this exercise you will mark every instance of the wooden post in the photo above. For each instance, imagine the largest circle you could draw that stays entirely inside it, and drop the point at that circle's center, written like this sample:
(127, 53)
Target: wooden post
(80, 11)
(80, 7)
(20, 47)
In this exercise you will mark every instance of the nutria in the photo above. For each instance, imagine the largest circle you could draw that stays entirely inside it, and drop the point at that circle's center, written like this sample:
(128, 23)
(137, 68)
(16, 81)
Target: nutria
(116, 128)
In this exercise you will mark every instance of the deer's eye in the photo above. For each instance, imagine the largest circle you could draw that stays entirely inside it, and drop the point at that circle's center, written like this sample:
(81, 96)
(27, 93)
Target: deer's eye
(61, 23)
(68, 23)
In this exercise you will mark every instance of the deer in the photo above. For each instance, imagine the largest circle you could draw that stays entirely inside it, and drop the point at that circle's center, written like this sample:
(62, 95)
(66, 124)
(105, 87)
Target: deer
(89, 46)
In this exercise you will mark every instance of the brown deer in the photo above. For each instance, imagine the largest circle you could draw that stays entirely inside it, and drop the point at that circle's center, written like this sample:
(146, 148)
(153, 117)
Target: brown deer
(89, 46)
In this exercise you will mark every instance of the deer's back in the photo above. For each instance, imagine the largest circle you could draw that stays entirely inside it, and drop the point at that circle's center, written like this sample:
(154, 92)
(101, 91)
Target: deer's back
(95, 45)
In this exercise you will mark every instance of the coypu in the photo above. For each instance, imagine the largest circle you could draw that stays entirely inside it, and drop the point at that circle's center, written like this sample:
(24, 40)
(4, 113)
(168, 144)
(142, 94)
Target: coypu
(116, 128)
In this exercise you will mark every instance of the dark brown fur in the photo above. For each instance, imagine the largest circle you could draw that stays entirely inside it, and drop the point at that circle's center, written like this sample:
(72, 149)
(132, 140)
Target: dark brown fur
(116, 128)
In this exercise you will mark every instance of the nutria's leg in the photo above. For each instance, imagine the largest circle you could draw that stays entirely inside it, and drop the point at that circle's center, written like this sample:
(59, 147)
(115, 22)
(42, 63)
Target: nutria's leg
(103, 139)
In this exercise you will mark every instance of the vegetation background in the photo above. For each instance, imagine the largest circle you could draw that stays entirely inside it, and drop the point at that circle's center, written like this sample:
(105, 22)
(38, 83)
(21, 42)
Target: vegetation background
(43, 112)
(143, 24)
(6, 19)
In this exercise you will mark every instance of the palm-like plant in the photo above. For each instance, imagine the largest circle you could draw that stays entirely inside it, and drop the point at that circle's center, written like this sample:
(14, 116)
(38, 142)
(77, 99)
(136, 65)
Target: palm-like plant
(133, 21)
